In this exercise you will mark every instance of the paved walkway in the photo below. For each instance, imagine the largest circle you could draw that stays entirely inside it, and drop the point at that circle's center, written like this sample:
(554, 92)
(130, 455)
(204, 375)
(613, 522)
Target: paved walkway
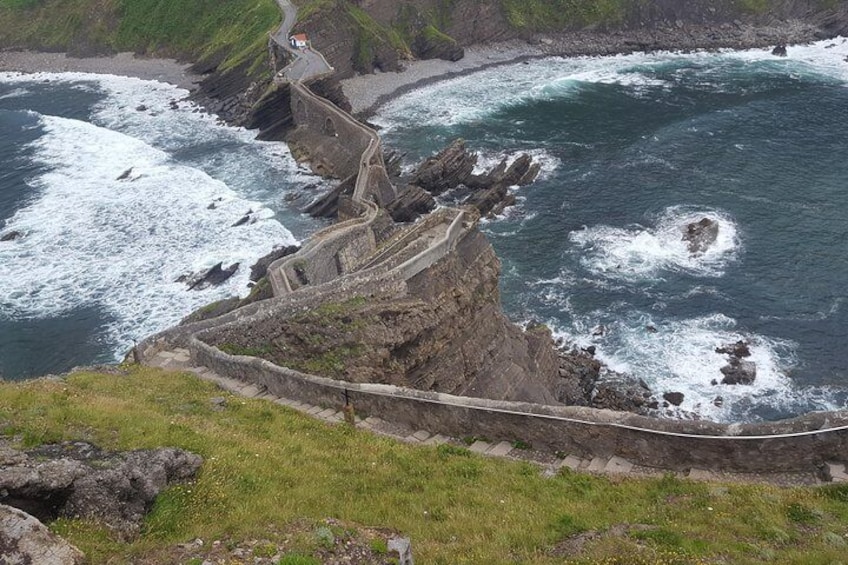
(550, 463)
(307, 63)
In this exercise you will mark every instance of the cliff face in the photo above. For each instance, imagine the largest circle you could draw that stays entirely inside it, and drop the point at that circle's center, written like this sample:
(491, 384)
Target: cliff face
(446, 333)
(384, 32)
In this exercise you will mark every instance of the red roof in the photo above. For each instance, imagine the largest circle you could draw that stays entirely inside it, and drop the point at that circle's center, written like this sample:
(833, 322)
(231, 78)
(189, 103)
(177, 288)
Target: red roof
(300, 37)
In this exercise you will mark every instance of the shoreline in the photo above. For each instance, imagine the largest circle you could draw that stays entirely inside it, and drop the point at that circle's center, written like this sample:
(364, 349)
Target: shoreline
(122, 64)
(367, 93)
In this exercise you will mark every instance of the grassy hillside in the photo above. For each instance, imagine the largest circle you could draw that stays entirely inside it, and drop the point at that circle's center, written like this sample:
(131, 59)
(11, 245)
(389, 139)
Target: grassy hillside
(269, 469)
(187, 29)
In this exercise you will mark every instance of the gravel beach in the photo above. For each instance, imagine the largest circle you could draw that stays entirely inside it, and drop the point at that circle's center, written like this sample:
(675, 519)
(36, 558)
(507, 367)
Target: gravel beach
(122, 64)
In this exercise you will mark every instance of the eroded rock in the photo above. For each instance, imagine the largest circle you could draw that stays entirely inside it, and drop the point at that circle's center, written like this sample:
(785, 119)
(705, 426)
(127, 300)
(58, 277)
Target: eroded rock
(700, 235)
(739, 372)
(77, 479)
(451, 167)
(213, 277)
(24, 540)
(11, 236)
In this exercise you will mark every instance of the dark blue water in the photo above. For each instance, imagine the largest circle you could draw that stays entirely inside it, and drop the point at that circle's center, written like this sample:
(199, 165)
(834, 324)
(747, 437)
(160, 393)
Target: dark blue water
(636, 148)
(97, 265)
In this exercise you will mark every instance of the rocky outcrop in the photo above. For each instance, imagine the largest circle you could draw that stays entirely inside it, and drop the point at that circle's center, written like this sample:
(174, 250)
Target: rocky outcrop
(453, 168)
(212, 277)
(260, 268)
(738, 370)
(445, 333)
(412, 202)
(26, 541)
(11, 235)
(77, 479)
(448, 169)
(430, 43)
(700, 235)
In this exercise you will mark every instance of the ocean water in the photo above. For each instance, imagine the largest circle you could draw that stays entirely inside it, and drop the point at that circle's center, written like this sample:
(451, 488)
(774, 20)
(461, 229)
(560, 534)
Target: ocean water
(634, 148)
(98, 263)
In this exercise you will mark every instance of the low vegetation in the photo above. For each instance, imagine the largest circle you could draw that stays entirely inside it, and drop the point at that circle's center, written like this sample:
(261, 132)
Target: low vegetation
(273, 474)
(547, 15)
(234, 30)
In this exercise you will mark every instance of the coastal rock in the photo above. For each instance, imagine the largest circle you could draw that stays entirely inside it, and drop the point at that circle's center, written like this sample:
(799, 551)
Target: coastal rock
(578, 372)
(673, 398)
(739, 350)
(213, 277)
(260, 268)
(779, 50)
(739, 372)
(430, 43)
(25, 540)
(448, 169)
(77, 479)
(125, 175)
(11, 236)
(327, 206)
(412, 202)
(700, 235)
(492, 194)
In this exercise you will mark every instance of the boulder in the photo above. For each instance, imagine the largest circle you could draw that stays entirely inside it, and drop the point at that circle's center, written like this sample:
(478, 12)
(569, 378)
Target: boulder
(448, 169)
(674, 398)
(25, 540)
(77, 479)
(700, 235)
(11, 236)
(739, 372)
(779, 50)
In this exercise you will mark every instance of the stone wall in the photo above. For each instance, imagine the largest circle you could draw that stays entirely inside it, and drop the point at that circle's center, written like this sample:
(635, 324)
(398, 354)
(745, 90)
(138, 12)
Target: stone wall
(792, 445)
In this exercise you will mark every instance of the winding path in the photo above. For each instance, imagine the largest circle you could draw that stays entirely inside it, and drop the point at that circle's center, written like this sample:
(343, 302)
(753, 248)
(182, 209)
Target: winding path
(308, 63)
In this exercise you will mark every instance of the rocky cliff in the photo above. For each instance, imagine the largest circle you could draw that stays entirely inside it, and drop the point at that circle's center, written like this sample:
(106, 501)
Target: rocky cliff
(445, 333)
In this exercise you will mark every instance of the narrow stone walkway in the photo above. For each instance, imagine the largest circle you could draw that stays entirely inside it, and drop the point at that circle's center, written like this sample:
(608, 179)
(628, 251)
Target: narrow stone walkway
(550, 463)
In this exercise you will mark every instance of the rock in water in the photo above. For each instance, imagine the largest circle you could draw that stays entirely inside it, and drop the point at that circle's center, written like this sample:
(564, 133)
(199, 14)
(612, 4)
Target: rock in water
(450, 168)
(779, 50)
(11, 236)
(23, 539)
(700, 235)
(738, 350)
(675, 398)
(411, 203)
(213, 277)
(739, 372)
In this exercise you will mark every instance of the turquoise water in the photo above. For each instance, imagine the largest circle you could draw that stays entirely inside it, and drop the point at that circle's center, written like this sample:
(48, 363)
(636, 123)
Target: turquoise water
(97, 266)
(636, 147)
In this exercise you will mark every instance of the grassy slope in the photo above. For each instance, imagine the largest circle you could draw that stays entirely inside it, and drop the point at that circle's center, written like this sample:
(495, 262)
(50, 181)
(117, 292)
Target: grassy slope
(179, 28)
(265, 464)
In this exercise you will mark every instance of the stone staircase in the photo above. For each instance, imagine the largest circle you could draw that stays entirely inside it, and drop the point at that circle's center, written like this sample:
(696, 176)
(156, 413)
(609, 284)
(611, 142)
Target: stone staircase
(551, 464)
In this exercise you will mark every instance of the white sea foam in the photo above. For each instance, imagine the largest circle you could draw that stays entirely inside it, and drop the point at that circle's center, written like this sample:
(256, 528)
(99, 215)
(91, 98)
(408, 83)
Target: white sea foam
(487, 160)
(646, 252)
(16, 93)
(92, 239)
(480, 95)
(680, 357)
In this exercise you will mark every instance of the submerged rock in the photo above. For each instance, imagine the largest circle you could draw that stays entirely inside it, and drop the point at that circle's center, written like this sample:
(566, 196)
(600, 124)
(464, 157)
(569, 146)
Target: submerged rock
(700, 235)
(11, 236)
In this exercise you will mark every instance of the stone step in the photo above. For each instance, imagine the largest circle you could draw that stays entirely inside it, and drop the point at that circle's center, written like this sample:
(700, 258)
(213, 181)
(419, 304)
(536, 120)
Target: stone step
(500, 450)
(597, 464)
(480, 446)
(572, 462)
(618, 465)
(836, 472)
(437, 439)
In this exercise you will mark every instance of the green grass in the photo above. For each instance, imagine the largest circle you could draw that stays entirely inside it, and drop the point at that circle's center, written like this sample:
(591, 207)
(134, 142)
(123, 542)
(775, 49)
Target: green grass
(548, 15)
(186, 29)
(266, 464)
